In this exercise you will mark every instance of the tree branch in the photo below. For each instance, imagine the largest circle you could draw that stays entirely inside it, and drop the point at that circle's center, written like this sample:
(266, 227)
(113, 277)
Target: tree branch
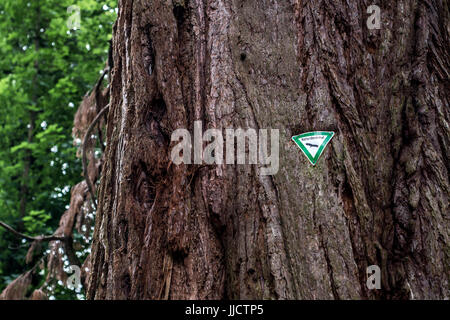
(37, 238)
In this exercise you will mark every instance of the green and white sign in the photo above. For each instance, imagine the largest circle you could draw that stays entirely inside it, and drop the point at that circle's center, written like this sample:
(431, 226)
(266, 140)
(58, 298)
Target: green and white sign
(313, 143)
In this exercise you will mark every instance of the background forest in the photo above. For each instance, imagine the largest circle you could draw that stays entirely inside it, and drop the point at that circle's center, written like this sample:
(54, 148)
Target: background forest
(45, 70)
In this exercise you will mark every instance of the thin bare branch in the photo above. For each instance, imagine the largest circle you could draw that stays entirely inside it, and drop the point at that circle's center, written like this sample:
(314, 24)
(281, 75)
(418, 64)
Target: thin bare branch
(37, 238)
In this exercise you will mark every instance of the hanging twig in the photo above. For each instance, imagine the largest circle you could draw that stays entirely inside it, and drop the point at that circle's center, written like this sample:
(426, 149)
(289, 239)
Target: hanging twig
(97, 92)
(84, 157)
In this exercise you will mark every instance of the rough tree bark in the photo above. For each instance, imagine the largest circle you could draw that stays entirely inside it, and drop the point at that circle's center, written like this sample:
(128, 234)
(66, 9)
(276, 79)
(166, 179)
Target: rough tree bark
(379, 194)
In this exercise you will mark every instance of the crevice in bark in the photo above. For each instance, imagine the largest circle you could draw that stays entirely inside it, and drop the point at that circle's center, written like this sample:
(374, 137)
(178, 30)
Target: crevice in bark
(324, 248)
(354, 227)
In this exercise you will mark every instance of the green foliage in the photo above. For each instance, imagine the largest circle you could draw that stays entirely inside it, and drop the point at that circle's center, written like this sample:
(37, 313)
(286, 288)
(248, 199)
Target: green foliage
(36, 221)
(45, 70)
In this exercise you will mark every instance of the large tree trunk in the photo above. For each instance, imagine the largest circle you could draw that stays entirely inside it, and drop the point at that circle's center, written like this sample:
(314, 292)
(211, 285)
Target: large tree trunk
(379, 194)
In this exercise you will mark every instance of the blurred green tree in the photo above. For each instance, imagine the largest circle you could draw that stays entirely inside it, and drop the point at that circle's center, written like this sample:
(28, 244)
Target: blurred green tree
(47, 64)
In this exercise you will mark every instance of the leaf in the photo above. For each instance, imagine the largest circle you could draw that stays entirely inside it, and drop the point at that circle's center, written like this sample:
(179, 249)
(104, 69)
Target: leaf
(24, 145)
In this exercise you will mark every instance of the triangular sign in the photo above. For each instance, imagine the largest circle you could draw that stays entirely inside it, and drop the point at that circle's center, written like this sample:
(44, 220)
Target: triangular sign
(313, 143)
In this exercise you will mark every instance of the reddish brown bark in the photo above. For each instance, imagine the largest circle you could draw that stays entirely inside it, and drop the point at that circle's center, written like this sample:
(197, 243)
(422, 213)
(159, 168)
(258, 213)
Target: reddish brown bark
(379, 194)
